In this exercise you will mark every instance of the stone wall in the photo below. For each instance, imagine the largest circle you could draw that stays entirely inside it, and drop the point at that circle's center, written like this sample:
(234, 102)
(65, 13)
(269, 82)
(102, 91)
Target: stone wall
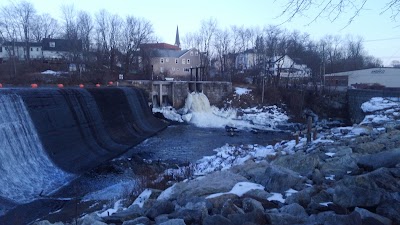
(175, 92)
(358, 96)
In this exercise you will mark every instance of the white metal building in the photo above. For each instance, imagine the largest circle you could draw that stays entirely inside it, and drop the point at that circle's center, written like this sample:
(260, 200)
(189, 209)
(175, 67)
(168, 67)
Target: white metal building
(384, 76)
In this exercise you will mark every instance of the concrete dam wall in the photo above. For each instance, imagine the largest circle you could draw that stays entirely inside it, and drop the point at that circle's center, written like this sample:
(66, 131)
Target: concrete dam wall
(47, 135)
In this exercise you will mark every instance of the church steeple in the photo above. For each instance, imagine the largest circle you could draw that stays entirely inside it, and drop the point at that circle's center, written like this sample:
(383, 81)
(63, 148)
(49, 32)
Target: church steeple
(177, 41)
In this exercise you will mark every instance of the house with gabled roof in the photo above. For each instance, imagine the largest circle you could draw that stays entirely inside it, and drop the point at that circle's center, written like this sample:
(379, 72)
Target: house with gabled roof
(174, 63)
(169, 61)
(60, 48)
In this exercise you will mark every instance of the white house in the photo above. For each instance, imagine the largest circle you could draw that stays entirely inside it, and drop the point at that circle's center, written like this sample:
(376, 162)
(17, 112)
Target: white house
(382, 76)
(284, 65)
(48, 49)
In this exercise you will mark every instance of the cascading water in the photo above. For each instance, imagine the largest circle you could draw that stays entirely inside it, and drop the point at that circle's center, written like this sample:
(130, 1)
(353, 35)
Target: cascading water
(26, 170)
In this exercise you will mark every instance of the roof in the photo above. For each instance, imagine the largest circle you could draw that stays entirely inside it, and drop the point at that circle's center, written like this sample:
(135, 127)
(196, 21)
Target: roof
(22, 44)
(376, 70)
(62, 45)
(159, 46)
(168, 53)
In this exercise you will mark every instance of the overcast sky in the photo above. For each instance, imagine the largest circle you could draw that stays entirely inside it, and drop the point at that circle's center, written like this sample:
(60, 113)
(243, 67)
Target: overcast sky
(381, 34)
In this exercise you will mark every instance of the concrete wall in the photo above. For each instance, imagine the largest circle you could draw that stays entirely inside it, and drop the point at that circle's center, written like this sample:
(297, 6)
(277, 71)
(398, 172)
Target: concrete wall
(175, 92)
(356, 97)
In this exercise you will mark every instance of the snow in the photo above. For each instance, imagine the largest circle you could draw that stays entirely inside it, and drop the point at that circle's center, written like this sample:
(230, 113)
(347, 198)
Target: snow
(376, 104)
(290, 192)
(330, 177)
(110, 211)
(241, 91)
(239, 189)
(166, 193)
(144, 196)
(330, 154)
(276, 197)
(325, 203)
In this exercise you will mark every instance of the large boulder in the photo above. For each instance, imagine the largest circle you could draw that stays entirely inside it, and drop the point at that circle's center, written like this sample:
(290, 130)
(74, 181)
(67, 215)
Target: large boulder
(160, 207)
(302, 163)
(365, 214)
(390, 210)
(339, 166)
(218, 182)
(359, 191)
(388, 159)
(368, 148)
(331, 218)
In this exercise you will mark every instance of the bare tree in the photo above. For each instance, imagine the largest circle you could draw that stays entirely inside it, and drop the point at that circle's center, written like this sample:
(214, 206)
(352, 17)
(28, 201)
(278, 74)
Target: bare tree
(334, 9)
(136, 31)
(85, 27)
(70, 25)
(222, 45)
(43, 26)
(108, 35)
(207, 32)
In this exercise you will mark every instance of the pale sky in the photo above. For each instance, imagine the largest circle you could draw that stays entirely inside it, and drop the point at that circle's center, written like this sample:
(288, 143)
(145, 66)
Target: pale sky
(381, 34)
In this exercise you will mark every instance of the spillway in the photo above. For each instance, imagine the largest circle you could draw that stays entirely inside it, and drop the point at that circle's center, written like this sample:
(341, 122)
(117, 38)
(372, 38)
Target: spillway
(48, 136)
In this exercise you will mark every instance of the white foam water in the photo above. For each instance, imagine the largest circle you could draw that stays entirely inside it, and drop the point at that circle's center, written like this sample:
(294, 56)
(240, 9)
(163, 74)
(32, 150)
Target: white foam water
(26, 170)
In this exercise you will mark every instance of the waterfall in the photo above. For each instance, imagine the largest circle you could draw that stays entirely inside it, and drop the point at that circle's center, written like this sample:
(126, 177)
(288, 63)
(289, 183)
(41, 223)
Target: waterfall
(26, 170)
(197, 102)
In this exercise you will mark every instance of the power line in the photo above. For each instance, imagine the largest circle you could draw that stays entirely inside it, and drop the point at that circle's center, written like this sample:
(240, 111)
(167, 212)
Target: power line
(383, 39)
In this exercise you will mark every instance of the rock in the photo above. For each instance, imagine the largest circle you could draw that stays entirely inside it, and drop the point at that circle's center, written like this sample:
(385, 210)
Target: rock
(173, 222)
(285, 219)
(339, 166)
(160, 207)
(385, 179)
(359, 191)
(340, 151)
(390, 210)
(279, 179)
(140, 220)
(161, 218)
(255, 217)
(299, 162)
(216, 220)
(317, 177)
(230, 208)
(302, 197)
(365, 214)
(128, 214)
(218, 182)
(218, 202)
(330, 218)
(46, 222)
(250, 205)
(368, 148)
(387, 159)
(91, 219)
(321, 197)
(190, 216)
(294, 210)
(391, 139)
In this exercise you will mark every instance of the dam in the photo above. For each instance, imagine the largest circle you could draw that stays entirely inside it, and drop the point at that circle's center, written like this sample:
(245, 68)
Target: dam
(49, 136)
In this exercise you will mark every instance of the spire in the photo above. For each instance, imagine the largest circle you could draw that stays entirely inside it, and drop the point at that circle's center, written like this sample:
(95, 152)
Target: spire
(177, 42)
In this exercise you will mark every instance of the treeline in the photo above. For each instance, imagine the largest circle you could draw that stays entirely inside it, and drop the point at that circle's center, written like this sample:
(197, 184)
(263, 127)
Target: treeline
(111, 42)
(328, 55)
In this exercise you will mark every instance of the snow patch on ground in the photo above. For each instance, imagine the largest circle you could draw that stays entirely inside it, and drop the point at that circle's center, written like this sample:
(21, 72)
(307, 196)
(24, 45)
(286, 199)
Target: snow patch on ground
(241, 91)
(239, 189)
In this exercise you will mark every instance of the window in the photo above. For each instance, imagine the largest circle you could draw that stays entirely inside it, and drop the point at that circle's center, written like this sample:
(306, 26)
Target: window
(188, 61)
(173, 68)
(162, 60)
(187, 69)
(31, 49)
(1, 49)
(183, 61)
(52, 44)
(167, 60)
(176, 61)
(191, 53)
(196, 53)
(177, 69)
(161, 69)
(37, 49)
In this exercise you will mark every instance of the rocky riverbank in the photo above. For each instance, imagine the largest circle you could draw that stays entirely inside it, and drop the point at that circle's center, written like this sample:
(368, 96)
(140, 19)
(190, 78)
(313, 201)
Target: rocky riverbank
(349, 175)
